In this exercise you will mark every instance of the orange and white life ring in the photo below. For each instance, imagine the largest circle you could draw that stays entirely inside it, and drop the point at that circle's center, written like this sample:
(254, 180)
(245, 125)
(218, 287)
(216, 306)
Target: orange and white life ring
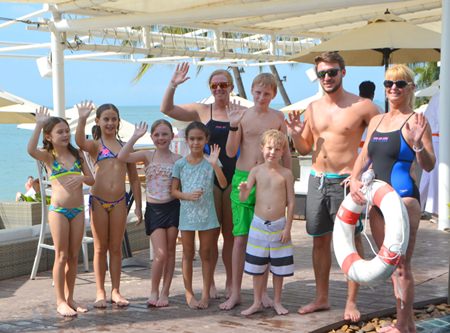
(395, 241)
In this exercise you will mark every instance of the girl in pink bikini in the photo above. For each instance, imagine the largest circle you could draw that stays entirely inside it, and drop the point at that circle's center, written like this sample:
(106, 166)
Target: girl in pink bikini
(163, 210)
(108, 206)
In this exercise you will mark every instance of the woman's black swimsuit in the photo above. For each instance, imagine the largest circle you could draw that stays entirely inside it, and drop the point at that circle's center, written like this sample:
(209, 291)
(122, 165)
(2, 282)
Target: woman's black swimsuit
(218, 134)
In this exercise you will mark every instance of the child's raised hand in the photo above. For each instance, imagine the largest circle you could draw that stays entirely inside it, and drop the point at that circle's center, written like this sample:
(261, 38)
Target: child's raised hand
(180, 74)
(235, 113)
(42, 115)
(294, 124)
(214, 154)
(140, 129)
(84, 108)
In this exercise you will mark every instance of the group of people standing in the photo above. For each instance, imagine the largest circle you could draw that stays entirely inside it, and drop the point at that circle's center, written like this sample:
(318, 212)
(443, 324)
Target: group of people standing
(236, 180)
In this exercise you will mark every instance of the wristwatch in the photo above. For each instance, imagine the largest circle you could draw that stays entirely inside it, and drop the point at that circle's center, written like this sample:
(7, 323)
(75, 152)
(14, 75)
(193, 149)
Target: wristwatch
(234, 128)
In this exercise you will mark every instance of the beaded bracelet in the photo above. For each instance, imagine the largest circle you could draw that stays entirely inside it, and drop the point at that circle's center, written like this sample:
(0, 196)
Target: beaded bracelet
(416, 149)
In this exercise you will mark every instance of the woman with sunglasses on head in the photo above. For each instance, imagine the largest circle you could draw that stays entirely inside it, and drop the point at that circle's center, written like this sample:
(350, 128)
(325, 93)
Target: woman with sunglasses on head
(215, 117)
(397, 139)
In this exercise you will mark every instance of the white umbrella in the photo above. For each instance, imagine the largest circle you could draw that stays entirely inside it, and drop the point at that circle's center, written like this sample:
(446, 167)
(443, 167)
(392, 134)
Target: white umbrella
(126, 128)
(233, 98)
(303, 104)
(428, 91)
(15, 110)
(383, 40)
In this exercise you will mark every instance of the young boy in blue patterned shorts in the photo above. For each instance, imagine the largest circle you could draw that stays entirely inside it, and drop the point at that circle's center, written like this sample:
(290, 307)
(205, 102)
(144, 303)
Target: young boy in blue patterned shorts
(269, 240)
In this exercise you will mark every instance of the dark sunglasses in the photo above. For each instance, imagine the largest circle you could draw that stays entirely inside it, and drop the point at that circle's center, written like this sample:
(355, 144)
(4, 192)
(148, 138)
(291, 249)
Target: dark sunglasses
(332, 72)
(399, 83)
(222, 85)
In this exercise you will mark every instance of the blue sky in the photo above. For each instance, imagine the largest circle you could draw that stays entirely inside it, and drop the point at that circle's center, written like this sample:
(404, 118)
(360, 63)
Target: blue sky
(112, 82)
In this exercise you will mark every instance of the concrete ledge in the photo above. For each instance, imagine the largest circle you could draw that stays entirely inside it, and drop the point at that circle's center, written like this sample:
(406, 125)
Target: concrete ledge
(381, 313)
(18, 248)
(19, 214)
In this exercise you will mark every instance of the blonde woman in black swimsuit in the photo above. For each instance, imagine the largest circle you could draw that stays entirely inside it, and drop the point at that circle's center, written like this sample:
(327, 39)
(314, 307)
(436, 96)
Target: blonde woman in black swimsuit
(214, 116)
(398, 139)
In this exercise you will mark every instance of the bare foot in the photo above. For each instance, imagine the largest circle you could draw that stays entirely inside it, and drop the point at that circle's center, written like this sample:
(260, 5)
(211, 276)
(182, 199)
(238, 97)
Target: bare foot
(163, 301)
(77, 307)
(152, 300)
(230, 303)
(204, 303)
(100, 303)
(256, 307)
(266, 301)
(213, 292)
(65, 310)
(313, 307)
(280, 309)
(191, 301)
(119, 300)
(351, 312)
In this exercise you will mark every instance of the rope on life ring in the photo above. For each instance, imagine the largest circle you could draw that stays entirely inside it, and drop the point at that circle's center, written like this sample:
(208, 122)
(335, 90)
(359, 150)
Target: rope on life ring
(396, 237)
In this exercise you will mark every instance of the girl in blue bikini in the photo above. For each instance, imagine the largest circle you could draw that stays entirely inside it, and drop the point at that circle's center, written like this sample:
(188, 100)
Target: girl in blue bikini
(67, 172)
(108, 206)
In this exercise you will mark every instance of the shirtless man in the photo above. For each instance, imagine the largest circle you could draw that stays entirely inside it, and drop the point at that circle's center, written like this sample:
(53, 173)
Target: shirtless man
(246, 128)
(333, 125)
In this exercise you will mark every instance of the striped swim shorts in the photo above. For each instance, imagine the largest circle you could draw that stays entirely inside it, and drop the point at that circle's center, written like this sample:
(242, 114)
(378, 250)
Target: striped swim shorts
(264, 248)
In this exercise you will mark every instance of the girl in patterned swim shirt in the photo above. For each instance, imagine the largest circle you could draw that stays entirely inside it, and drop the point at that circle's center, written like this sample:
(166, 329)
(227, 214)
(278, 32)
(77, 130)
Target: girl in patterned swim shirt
(193, 181)
(163, 210)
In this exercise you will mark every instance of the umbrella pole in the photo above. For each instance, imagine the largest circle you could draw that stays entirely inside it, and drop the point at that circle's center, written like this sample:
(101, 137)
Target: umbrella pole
(386, 53)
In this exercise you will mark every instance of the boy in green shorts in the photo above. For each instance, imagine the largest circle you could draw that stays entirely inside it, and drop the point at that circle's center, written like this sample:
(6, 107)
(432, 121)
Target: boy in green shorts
(253, 122)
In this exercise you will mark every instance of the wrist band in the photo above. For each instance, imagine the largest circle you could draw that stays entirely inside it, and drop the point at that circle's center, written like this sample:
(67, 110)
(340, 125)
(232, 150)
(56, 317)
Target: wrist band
(417, 149)
(234, 128)
(173, 86)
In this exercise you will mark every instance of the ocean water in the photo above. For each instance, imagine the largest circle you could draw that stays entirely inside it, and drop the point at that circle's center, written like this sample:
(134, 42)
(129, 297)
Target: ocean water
(15, 163)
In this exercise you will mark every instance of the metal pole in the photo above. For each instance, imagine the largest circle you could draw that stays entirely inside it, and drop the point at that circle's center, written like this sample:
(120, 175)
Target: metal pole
(444, 129)
(444, 121)
(57, 47)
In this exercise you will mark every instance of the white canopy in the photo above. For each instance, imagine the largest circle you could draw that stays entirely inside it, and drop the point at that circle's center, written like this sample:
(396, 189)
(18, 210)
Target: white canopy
(238, 32)
(15, 110)
(303, 104)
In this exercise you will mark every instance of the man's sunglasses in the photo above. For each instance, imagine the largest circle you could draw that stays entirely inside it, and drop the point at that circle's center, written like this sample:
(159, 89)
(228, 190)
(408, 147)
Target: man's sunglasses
(399, 83)
(222, 85)
(332, 72)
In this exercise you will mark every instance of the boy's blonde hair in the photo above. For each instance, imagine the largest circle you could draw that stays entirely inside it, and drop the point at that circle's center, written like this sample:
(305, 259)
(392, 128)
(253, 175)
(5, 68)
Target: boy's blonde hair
(266, 80)
(278, 138)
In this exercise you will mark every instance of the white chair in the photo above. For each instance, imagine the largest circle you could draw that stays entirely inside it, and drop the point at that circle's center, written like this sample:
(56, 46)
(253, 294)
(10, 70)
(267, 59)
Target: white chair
(46, 190)
(301, 186)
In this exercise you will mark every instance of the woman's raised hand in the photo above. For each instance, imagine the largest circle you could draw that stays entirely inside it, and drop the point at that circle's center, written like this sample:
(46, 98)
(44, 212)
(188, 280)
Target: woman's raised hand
(84, 108)
(180, 74)
(235, 113)
(42, 115)
(140, 129)
(415, 131)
